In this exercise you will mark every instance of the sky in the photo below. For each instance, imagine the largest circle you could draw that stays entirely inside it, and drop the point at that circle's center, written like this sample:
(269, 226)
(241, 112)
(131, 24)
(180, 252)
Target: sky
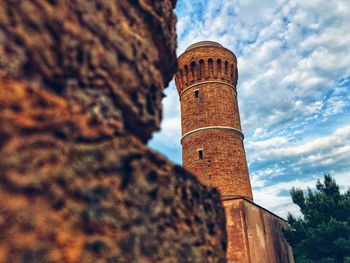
(293, 89)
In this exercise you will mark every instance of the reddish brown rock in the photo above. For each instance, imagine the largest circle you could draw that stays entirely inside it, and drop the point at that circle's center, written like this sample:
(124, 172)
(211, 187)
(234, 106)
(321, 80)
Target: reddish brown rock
(112, 58)
(71, 193)
(80, 92)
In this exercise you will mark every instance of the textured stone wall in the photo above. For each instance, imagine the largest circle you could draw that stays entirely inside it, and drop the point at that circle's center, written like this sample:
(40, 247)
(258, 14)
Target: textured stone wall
(255, 234)
(206, 82)
(80, 92)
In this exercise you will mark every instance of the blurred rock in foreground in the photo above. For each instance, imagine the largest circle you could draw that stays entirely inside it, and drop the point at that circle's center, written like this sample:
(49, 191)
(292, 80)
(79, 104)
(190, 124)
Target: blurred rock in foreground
(81, 84)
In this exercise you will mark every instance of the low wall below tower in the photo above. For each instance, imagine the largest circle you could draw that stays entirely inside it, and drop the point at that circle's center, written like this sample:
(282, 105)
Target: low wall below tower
(255, 234)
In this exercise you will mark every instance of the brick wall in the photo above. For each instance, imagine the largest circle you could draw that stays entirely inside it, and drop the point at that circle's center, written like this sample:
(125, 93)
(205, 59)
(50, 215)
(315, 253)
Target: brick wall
(206, 82)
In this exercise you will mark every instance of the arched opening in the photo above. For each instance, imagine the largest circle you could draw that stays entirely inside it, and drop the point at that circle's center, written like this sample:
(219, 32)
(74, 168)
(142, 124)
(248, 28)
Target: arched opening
(201, 70)
(226, 70)
(236, 77)
(219, 75)
(210, 68)
(186, 74)
(193, 71)
(232, 74)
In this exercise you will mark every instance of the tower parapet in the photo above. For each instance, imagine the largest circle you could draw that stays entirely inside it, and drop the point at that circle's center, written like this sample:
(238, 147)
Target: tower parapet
(206, 61)
(212, 139)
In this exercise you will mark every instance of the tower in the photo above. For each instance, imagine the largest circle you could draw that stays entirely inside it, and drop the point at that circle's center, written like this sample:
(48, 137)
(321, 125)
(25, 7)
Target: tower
(212, 138)
(213, 150)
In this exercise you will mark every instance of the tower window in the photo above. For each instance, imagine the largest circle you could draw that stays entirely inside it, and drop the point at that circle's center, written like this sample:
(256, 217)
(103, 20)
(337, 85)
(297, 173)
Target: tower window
(196, 93)
(200, 154)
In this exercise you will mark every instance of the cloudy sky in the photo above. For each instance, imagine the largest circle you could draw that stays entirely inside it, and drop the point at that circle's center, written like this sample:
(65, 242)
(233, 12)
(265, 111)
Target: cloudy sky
(293, 89)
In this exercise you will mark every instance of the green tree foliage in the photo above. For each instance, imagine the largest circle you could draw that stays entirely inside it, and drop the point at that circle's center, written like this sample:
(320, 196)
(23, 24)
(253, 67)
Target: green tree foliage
(322, 234)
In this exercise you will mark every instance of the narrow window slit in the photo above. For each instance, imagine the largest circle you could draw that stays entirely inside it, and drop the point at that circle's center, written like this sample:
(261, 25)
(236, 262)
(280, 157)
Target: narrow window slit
(200, 154)
(196, 93)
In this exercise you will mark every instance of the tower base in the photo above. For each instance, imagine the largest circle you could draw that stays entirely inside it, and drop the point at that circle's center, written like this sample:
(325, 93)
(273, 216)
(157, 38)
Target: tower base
(255, 234)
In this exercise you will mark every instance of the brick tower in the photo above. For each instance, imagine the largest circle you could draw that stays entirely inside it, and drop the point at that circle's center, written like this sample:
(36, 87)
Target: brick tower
(212, 139)
(212, 149)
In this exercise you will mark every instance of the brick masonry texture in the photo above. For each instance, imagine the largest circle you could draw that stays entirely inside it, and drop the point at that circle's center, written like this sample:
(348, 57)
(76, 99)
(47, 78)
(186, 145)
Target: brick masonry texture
(223, 164)
(253, 233)
(80, 90)
(209, 108)
(206, 82)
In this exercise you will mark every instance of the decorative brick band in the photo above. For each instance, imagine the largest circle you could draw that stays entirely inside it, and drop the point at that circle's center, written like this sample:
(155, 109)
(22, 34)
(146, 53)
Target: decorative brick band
(208, 82)
(213, 128)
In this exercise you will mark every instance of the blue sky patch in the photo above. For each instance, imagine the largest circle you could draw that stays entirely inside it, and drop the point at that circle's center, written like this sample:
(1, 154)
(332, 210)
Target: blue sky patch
(293, 90)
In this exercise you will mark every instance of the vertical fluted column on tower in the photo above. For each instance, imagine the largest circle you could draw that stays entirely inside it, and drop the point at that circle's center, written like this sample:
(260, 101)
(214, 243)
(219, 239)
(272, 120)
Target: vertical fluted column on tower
(212, 140)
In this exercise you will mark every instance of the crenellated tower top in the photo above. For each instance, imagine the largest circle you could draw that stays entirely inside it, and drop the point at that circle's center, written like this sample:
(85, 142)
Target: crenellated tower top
(206, 61)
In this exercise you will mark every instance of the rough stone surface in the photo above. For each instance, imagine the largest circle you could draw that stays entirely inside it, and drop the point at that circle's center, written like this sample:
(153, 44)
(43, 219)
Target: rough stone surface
(80, 90)
(206, 81)
(113, 58)
(71, 193)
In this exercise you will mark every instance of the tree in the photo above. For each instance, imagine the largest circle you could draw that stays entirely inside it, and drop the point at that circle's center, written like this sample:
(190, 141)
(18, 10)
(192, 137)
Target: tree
(322, 234)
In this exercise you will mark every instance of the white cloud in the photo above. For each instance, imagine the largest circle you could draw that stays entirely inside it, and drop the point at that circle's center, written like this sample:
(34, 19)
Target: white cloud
(276, 147)
(294, 108)
(170, 133)
(258, 131)
(266, 144)
(335, 105)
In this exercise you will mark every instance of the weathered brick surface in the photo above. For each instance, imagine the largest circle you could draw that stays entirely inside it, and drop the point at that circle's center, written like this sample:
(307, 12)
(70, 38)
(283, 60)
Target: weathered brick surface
(255, 234)
(211, 72)
(80, 89)
(223, 161)
(209, 108)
